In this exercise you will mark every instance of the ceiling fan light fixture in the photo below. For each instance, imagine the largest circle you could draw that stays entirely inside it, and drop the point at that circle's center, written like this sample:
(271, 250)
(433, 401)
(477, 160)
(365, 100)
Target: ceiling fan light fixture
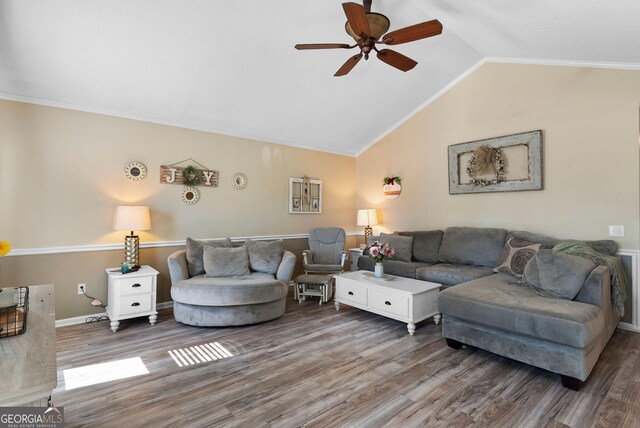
(378, 26)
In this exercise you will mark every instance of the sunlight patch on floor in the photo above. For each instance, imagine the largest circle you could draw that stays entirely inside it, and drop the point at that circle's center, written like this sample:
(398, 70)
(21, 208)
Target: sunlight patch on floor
(199, 354)
(103, 372)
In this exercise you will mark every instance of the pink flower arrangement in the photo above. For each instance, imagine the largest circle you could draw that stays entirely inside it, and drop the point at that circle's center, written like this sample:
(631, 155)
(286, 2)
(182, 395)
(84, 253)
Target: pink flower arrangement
(379, 252)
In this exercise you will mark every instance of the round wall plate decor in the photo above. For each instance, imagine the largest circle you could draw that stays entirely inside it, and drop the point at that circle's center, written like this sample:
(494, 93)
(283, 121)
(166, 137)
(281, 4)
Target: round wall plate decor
(135, 171)
(190, 195)
(239, 180)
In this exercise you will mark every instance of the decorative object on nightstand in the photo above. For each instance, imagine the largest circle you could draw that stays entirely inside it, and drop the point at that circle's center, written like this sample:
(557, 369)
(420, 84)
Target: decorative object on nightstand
(392, 187)
(367, 218)
(132, 218)
(132, 295)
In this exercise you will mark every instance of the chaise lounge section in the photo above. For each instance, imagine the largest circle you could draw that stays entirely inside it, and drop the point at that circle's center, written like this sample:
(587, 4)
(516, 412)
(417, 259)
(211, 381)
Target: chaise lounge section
(484, 302)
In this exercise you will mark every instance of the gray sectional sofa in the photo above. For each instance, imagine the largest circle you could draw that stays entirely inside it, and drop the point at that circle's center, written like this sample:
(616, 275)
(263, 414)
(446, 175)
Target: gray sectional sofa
(496, 311)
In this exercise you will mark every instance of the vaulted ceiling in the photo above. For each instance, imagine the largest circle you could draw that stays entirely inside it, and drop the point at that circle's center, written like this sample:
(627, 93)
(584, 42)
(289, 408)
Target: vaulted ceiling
(230, 67)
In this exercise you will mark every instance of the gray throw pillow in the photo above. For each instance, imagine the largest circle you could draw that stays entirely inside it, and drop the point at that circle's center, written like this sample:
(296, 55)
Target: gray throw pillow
(264, 256)
(553, 274)
(225, 262)
(402, 245)
(195, 265)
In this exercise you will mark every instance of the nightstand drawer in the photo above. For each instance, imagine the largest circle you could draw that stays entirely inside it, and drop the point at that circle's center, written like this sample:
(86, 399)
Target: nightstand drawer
(352, 293)
(391, 303)
(139, 285)
(133, 304)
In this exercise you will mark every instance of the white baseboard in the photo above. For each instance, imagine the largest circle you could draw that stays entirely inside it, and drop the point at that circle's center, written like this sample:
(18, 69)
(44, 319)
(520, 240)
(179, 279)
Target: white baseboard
(82, 318)
(627, 326)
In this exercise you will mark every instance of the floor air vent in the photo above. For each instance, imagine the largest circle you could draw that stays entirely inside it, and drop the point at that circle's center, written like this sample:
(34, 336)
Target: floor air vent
(199, 354)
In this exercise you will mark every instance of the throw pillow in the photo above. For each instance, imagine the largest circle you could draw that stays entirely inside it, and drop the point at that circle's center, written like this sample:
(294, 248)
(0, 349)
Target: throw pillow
(553, 274)
(264, 256)
(515, 256)
(225, 262)
(194, 248)
(402, 245)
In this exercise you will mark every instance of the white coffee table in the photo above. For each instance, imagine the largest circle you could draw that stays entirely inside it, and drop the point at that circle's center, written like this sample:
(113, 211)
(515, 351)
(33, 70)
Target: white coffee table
(402, 299)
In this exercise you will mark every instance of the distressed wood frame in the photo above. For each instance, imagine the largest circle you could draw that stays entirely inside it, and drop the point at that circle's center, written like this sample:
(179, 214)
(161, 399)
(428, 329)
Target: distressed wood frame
(533, 141)
(297, 204)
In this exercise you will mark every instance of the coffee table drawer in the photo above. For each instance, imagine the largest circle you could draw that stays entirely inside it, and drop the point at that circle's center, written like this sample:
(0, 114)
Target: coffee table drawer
(391, 303)
(352, 293)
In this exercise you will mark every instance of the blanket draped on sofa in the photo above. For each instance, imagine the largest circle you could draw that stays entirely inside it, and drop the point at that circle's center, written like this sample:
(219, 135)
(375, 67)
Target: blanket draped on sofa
(618, 278)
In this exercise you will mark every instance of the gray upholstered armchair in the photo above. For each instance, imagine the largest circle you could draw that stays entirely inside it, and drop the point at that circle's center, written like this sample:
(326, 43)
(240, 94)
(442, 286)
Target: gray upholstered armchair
(326, 252)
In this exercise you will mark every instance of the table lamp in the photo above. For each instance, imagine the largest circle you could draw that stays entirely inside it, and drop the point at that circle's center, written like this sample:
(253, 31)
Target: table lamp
(367, 218)
(132, 218)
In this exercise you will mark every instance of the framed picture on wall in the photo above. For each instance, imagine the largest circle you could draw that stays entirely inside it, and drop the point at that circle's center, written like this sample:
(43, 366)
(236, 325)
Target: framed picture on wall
(510, 163)
(305, 196)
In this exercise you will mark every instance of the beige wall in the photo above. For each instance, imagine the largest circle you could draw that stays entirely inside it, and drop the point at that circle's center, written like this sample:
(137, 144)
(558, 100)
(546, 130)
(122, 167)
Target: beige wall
(589, 118)
(61, 176)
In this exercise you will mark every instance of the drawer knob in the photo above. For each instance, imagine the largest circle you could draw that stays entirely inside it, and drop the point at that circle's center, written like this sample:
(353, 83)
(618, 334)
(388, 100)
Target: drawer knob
(350, 293)
(136, 285)
(388, 303)
(135, 304)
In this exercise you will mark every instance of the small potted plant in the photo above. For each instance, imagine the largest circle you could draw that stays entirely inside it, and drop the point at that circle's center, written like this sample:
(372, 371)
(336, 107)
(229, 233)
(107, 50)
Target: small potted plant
(392, 186)
(380, 252)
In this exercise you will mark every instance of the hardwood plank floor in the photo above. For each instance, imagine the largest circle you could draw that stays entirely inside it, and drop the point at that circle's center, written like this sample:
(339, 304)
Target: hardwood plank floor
(317, 367)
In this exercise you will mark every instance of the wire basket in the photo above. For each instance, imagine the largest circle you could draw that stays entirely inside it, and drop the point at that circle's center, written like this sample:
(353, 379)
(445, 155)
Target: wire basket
(14, 306)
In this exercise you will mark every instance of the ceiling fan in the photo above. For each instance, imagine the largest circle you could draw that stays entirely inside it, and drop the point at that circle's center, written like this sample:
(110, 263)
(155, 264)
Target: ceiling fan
(367, 28)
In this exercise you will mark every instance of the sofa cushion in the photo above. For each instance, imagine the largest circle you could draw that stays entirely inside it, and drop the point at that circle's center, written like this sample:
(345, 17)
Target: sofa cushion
(226, 262)
(554, 274)
(264, 256)
(498, 301)
(402, 245)
(195, 264)
(204, 291)
(425, 245)
(392, 267)
(449, 274)
(515, 256)
(472, 246)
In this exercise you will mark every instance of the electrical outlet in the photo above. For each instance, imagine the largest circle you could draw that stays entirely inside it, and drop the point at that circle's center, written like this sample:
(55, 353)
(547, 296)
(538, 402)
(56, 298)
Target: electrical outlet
(616, 231)
(82, 287)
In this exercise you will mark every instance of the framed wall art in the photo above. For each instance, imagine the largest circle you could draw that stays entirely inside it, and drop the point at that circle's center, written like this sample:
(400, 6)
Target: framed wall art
(510, 163)
(305, 196)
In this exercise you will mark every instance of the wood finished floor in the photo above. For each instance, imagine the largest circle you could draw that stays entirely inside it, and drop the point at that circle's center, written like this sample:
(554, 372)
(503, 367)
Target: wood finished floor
(320, 368)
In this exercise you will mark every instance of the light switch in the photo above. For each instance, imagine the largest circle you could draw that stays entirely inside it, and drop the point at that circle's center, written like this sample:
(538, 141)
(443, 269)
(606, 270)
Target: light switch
(617, 231)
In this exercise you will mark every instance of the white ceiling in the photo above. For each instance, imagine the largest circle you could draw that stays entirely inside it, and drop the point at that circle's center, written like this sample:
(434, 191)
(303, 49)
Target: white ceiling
(230, 67)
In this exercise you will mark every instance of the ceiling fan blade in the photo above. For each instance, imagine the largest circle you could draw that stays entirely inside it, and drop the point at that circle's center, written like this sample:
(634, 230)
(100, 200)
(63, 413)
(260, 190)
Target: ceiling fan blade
(347, 66)
(396, 59)
(357, 18)
(412, 33)
(322, 46)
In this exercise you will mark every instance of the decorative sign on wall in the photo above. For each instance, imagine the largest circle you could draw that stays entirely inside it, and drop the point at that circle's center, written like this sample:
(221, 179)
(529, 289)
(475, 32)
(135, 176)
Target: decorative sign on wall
(392, 186)
(305, 196)
(501, 164)
(188, 175)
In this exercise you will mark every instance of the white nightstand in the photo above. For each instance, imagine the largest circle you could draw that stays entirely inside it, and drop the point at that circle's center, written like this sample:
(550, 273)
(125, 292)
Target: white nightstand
(131, 295)
(354, 253)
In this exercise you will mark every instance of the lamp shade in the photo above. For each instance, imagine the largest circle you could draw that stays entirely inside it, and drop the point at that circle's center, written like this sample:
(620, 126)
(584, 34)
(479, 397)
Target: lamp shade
(132, 218)
(367, 217)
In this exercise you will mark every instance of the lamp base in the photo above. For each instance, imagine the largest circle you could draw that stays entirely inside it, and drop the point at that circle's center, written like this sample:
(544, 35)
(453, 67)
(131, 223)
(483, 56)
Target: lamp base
(368, 232)
(131, 251)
